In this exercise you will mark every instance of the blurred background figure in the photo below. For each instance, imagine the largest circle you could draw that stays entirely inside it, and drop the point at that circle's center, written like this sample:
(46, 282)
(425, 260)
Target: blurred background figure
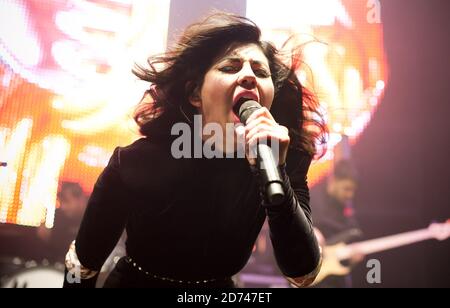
(34, 257)
(54, 242)
(334, 216)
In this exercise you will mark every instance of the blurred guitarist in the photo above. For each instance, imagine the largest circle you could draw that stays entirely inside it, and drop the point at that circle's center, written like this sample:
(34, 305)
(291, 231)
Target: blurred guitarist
(53, 243)
(333, 215)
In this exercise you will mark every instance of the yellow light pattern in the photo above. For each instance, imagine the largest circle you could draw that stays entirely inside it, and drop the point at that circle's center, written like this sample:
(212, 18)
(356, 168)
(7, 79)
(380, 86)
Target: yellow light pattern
(40, 180)
(344, 62)
(66, 102)
(12, 152)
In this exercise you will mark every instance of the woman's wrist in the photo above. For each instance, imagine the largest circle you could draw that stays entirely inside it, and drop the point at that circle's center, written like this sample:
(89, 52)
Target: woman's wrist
(74, 265)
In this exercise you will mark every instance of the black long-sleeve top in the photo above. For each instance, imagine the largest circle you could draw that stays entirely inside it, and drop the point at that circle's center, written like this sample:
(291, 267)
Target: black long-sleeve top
(194, 218)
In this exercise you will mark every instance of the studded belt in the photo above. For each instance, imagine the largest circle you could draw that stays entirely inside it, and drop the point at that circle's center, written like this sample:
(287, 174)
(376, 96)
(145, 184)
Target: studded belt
(129, 260)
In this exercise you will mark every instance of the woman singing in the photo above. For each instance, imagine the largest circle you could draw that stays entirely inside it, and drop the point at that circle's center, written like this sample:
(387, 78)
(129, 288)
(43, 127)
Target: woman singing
(193, 220)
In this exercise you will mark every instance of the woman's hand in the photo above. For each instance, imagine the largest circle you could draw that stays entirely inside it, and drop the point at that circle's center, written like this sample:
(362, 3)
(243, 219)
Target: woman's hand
(261, 126)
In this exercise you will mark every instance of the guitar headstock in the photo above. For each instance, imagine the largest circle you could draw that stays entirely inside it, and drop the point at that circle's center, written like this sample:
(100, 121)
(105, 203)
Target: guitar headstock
(440, 231)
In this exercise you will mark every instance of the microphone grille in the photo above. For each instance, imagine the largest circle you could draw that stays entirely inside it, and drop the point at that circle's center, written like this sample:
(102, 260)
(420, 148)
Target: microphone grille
(247, 108)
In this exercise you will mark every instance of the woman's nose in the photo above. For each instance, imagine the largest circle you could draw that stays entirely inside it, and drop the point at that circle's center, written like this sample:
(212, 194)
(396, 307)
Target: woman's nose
(247, 79)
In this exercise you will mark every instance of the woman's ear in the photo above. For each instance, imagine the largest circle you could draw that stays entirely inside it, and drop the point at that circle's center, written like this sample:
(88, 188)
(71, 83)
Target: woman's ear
(194, 96)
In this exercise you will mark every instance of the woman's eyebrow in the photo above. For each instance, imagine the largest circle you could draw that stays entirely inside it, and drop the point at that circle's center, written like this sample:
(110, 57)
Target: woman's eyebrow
(239, 60)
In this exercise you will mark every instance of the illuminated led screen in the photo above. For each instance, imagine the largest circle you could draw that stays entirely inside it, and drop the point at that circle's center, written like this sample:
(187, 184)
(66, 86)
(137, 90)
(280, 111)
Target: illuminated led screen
(67, 92)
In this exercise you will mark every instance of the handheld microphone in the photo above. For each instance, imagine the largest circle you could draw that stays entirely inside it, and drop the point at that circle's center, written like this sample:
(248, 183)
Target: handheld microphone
(270, 175)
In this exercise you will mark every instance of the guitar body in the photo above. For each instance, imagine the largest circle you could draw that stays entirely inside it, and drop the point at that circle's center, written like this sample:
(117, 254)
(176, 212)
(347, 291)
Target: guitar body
(331, 265)
(334, 254)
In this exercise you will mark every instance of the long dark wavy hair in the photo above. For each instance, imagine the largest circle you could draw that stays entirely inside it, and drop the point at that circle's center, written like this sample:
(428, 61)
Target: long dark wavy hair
(175, 74)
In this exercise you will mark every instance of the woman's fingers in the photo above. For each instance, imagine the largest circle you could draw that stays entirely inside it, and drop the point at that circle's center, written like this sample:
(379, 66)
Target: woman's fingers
(257, 129)
(265, 135)
(259, 121)
(261, 127)
(261, 112)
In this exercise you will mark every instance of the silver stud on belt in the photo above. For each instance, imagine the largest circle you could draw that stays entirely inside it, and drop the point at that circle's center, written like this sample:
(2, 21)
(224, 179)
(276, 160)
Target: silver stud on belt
(135, 265)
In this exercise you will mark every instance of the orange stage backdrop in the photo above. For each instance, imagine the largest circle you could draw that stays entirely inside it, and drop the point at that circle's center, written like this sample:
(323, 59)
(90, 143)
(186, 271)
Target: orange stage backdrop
(67, 94)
